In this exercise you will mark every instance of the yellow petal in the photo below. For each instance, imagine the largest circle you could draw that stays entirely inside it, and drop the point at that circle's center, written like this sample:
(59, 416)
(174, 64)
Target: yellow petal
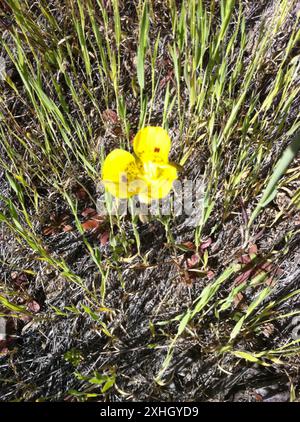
(118, 172)
(159, 187)
(152, 144)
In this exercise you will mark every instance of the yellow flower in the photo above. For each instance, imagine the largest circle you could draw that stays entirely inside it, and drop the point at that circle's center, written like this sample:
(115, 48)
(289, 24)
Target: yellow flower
(147, 173)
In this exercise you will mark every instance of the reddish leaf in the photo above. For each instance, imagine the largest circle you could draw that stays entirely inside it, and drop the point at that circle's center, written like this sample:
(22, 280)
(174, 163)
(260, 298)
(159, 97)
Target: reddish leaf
(189, 245)
(238, 299)
(48, 231)
(270, 282)
(244, 259)
(33, 306)
(88, 212)
(267, 266)
(243, 277)
(253, 250)
(110, 116)
(258, 397)
(210, 274)
(81, 193)
(59, 222)
(193, 261)
(92, 224)
(206, 244)
(104, 238)
(67, 228)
